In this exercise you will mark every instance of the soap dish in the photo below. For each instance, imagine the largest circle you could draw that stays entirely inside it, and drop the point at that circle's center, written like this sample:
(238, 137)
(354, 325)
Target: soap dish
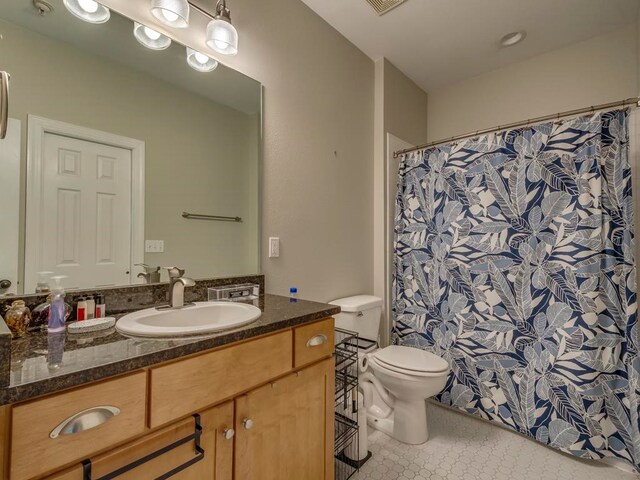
(93, 325)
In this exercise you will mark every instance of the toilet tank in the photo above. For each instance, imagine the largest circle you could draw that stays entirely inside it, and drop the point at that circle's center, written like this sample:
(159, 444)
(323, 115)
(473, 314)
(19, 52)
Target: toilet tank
(360, 314)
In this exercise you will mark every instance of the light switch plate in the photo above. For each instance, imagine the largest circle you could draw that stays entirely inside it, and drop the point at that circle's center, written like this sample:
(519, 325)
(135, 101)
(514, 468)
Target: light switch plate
(154, 246)
(274, 247)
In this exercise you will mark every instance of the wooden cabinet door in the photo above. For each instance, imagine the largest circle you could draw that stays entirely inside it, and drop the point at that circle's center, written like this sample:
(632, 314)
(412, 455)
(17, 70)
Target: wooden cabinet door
(284, 430)
(216, 464)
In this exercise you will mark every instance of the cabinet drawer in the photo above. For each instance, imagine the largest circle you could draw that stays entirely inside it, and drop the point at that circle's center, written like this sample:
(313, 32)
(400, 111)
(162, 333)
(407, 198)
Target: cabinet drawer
(313, 342)
(170, 451)
(186, 386)
(34, 452)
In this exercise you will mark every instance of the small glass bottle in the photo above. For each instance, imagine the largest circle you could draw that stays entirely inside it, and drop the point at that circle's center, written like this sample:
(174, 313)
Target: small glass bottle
(293, 295)
(18, 318)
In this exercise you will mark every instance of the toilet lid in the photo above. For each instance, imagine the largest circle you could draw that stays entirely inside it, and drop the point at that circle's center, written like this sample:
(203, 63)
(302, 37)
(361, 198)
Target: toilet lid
(410, 359)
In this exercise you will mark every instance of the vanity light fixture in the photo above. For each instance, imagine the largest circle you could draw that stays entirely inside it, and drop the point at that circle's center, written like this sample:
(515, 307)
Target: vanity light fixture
(222, 36)
(150, 38)
(173, 13)
(200, 62)
(88, 10)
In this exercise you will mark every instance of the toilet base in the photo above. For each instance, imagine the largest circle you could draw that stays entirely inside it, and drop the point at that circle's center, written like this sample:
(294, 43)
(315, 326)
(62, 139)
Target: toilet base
(407, 422)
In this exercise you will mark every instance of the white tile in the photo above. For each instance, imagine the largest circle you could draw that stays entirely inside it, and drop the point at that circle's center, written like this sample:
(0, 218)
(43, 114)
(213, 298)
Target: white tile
(465, 448)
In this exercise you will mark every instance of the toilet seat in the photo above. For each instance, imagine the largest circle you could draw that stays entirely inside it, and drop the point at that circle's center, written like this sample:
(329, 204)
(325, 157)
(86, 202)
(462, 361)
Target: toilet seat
(410, 361)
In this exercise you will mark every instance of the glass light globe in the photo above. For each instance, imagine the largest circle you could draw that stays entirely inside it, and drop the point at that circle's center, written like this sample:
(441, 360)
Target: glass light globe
(150, 38)
(89, 5)
(88, 10)
(173, 13)
(152, 34)
(169, 16)
(200, 62)
(222, 37)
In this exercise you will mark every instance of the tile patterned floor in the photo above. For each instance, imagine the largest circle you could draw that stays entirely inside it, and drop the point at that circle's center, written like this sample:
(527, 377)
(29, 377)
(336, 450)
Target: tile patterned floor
(465, 448)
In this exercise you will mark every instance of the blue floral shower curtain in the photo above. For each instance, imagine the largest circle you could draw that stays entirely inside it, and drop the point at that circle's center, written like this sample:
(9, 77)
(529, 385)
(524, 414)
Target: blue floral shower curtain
(515, 262)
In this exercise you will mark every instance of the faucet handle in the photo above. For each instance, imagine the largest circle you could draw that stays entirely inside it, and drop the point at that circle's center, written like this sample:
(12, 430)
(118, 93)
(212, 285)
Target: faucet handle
(147, 268)
(175, 272)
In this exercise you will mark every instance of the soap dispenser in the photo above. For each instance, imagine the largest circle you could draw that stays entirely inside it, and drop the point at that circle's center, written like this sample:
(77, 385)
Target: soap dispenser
(57, 311)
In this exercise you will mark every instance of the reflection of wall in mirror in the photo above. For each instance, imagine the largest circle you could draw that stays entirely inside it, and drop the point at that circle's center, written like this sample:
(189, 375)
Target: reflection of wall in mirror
(201, 156)
(10, 207)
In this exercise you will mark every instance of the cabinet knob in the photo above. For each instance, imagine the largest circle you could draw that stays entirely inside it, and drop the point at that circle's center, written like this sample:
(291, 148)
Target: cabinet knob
(247, 423)
(228, 433)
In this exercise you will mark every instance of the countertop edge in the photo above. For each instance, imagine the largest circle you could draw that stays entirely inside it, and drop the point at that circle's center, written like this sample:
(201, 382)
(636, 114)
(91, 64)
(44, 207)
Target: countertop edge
(29, 391)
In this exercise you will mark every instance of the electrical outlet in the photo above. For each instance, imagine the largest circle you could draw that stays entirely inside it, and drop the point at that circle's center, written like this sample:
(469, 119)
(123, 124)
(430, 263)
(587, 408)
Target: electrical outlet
(154, 246)
(274, 247)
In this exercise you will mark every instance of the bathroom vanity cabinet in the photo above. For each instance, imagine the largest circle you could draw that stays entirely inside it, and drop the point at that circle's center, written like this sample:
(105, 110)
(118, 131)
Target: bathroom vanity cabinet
(252, 410)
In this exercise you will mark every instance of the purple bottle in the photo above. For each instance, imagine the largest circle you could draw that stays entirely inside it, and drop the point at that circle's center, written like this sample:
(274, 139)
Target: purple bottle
(57, 311)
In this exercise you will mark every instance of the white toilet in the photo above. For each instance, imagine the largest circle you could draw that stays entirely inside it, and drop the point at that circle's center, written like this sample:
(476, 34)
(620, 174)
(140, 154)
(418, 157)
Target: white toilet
(395, 380)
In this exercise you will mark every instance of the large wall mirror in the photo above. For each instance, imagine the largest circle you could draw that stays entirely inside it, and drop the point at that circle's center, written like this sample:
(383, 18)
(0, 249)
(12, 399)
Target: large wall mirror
(120, 159)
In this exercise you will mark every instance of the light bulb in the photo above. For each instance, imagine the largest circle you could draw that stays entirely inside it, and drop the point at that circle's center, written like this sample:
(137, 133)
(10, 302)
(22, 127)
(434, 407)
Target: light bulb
(201, 57)
(199, 61)
(88, 10)
(89, 6)
(169, 16)
(152, 34)
(150, 38)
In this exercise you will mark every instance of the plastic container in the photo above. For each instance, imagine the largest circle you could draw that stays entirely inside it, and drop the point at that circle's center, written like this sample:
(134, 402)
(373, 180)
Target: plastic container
(57, 311)
(91, 308)
(43, 282)
(242, 291)
(81, 309)
(101, 309)
(293, 294)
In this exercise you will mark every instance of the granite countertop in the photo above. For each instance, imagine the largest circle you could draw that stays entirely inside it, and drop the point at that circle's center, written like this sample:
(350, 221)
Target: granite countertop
(42, 363)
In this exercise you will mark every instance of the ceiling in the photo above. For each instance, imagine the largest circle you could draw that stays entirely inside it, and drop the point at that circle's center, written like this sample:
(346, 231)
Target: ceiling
(437, 42)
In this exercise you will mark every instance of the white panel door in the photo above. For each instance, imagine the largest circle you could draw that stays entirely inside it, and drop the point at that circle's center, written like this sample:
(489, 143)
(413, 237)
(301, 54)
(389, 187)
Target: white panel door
(10, 205)
(85, 226)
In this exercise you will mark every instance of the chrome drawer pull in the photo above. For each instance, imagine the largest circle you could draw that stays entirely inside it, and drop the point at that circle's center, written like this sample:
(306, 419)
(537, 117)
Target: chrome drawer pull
(317, 340)
(85, 420)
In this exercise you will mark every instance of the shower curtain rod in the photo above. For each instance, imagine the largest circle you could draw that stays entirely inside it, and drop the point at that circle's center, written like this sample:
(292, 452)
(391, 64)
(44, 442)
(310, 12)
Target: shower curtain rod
(622, 103)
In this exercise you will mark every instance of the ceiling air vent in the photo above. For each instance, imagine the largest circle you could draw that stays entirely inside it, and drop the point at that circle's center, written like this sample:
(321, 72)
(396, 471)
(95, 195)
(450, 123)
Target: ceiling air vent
(383, 6)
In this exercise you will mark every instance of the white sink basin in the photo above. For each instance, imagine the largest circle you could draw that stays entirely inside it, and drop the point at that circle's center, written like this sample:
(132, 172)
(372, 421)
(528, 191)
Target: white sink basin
(200, 319)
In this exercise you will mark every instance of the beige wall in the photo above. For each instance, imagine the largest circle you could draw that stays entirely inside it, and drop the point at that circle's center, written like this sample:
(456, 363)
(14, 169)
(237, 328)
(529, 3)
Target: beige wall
(200, 156)
(599, 70)
(405, 106)
(318, 148)
(400, 110)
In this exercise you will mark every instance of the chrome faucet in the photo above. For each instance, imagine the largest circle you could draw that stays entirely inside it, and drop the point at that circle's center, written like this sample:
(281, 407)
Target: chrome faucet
(177, 284)
(150, 275)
